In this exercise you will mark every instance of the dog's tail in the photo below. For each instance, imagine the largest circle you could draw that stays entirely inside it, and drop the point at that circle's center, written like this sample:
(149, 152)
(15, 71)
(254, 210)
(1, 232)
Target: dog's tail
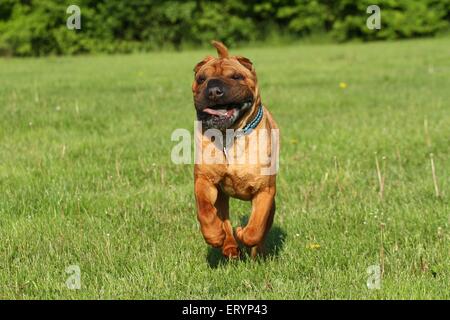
(222, 50)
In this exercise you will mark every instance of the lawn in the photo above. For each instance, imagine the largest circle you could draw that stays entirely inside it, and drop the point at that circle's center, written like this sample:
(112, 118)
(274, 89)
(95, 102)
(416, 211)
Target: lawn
(86, 177)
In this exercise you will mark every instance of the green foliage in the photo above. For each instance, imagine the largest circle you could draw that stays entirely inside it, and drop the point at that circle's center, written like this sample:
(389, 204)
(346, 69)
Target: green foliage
(39, 27)
(399, 19)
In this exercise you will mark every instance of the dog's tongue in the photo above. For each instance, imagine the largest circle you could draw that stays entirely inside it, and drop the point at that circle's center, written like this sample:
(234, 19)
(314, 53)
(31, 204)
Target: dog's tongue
(219, 112)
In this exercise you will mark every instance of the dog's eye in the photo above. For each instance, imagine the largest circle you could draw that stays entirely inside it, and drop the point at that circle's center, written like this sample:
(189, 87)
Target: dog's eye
(201, 79)
(237, 76)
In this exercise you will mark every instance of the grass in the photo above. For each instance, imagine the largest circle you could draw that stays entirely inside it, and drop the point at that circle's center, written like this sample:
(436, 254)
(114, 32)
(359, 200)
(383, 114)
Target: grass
(86, 177)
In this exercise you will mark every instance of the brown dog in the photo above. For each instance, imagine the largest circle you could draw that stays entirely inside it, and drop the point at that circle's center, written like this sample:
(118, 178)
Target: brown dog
(227, 101)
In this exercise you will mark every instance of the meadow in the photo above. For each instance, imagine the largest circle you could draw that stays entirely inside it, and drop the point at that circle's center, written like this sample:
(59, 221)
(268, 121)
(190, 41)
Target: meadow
(86, 177)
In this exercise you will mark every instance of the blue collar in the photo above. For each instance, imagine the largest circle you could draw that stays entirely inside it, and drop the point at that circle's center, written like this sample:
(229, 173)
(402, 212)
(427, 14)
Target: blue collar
(248, 128)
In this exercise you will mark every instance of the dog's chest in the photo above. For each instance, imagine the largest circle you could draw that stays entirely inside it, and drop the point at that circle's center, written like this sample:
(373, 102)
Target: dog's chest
(241, 181)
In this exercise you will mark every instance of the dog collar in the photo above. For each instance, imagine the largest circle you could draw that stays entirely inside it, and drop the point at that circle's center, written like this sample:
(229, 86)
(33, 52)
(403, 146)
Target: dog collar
(248, 128)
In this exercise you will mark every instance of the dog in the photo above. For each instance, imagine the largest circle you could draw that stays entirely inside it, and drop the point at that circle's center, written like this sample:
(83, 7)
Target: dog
(227, 100)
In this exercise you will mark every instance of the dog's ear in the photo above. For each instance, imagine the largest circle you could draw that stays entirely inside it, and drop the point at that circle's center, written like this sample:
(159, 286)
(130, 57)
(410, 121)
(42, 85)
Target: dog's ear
(245, 62)
(201, 63)
(222, 50)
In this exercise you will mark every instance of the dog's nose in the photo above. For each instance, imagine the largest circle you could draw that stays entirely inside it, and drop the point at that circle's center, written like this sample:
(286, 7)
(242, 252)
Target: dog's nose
(215, 92)
(215, 89)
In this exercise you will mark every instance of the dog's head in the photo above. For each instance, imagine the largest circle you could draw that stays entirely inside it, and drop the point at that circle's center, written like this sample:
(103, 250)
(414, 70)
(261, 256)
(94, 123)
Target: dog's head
(225, 90)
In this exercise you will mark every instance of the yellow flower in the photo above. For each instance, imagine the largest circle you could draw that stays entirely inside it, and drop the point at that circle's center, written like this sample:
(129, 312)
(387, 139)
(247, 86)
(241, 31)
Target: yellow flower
(313, 246)
(342, 85)
(294, 141)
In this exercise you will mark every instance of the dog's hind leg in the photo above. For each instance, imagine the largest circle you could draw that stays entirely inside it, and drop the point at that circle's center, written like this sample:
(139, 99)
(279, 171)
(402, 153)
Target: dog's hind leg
(261, 219)
(230, 248)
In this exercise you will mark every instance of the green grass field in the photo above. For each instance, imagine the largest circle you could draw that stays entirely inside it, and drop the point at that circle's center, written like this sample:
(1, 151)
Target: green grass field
(86, 177)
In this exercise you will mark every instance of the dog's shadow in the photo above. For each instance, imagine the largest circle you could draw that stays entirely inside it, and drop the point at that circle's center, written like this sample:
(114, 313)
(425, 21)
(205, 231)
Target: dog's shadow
(273, 246)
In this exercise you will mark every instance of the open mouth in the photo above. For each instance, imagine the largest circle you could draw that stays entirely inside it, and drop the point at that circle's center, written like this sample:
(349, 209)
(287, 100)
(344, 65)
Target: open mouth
(226, 111)
(223, 116)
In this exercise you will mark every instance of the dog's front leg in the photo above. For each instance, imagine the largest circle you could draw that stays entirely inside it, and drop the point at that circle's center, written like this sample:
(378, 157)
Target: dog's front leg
(261, 218)
(211, 225)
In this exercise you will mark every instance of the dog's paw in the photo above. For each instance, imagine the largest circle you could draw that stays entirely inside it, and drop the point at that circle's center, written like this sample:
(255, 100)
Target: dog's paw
(216, 240)
(248, 237)
(257, 250)
(242, 235)
(231, 252)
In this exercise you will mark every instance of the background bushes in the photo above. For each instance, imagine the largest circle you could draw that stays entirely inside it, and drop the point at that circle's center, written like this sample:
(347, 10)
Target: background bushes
(38, 27)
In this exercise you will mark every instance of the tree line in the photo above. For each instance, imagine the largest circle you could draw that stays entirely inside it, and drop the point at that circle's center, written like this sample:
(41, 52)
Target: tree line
(38, 27)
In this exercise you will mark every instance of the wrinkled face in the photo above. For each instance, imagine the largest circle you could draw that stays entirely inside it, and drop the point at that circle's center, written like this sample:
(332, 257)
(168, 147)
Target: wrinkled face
(224, 91)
